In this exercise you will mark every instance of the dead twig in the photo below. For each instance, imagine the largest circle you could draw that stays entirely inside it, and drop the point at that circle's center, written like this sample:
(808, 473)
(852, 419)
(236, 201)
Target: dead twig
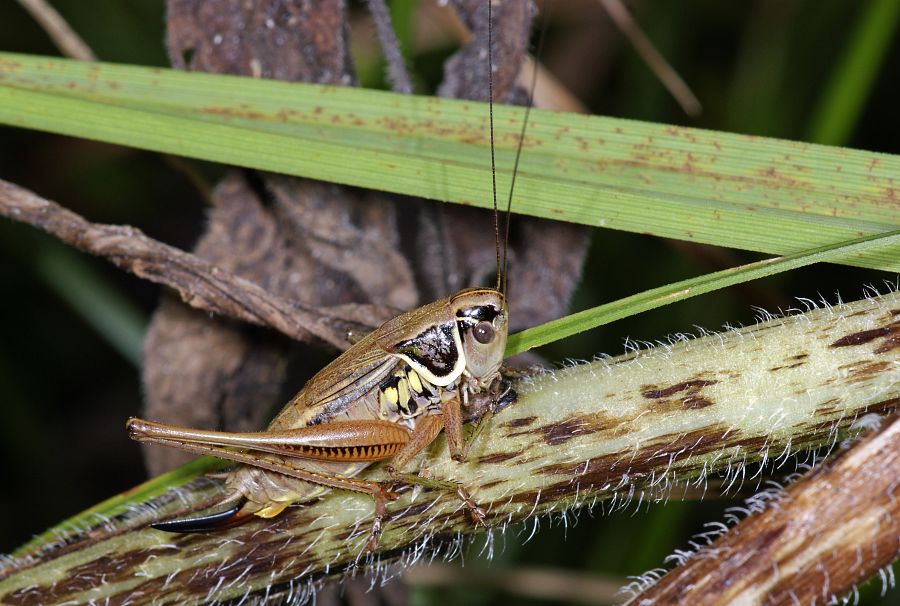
(652, 57)
(390, 46)
(63, 36)
(199, 283)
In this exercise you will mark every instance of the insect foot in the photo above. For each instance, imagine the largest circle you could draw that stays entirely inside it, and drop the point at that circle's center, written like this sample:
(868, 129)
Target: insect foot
(483, 405)
(136, 428)
(508, 396)
(381, 498)
(411, 479)
(476, 513)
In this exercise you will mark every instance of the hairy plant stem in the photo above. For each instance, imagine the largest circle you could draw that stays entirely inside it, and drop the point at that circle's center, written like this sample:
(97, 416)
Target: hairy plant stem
(826, 533)
(606, 434)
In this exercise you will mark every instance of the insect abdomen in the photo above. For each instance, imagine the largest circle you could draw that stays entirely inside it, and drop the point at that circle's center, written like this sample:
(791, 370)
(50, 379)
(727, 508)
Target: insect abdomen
(406, 395)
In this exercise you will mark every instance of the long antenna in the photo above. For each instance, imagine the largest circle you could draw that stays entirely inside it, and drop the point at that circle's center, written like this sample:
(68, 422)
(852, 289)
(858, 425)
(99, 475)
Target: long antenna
(491, 123)
(512, 185)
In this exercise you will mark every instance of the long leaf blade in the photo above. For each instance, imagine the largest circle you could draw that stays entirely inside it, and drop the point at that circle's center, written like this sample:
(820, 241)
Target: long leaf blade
(766, 195)
(685, 289)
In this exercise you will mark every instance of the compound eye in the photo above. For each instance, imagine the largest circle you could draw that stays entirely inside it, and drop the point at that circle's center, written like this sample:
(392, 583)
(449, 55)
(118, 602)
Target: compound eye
(483, 332)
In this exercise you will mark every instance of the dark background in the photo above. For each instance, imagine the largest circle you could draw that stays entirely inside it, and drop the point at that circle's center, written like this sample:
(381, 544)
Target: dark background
(759, 67)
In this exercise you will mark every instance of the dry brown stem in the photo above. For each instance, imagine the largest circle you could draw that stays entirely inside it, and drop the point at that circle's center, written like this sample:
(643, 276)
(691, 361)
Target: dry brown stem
(666, 74)
(62, 34)
(390, 46)
(199, 283)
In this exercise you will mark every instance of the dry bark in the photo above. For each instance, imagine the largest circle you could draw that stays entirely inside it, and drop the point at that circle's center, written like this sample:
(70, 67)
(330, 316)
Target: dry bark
(298, 239)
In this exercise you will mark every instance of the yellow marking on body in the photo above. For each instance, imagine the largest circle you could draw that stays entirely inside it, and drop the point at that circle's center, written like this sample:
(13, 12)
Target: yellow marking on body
(272, 509)
(414, 381)
(403, 387)
(392, 395)
(383, 410)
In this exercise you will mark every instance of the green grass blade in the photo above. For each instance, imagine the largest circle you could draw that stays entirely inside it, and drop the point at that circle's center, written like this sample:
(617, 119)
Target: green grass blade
(854, 76)
(685, 289)
(100, 305)
(766, 195)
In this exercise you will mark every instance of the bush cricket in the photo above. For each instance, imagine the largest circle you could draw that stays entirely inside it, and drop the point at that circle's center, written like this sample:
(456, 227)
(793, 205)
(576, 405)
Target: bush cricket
(384, 399)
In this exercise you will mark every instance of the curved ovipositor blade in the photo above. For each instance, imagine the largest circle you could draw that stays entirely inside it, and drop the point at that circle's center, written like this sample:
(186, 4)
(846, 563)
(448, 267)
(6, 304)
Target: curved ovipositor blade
(229, 518)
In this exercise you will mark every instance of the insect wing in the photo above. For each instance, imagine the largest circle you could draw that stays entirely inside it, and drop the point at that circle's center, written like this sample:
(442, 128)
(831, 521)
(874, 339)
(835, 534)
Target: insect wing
(335, 388)
(361, 368)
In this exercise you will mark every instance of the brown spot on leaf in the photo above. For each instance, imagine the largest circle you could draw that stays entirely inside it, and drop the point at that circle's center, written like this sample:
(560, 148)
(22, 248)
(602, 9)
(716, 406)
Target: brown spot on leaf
(752, 444)
(600, 471)
(80, 578)
(696, 402)
(828, 407)
(786, 367)
(562, 432)
(891, 343)
(864, 370)
(691, 398)
(690, 402)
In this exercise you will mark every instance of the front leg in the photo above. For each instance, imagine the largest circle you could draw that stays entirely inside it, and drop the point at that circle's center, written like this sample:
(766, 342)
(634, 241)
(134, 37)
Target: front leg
(453, 428)
(453, 419)
(482, 408)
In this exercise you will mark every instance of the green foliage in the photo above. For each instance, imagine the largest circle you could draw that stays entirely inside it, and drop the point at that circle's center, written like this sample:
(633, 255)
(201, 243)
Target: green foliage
(761, 69)
(778, 197)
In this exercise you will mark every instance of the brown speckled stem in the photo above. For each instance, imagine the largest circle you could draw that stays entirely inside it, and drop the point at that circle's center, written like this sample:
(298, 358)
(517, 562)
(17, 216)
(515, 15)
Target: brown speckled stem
(643, 425)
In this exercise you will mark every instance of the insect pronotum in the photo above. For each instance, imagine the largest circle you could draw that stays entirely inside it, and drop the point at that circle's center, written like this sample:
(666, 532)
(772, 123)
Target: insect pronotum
(386, 398)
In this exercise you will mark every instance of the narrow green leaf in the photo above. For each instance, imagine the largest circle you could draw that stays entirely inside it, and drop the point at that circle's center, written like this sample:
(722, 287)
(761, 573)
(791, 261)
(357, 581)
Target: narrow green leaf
(686, 289)
(777, 197)
(100, 305)
(853, 78)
